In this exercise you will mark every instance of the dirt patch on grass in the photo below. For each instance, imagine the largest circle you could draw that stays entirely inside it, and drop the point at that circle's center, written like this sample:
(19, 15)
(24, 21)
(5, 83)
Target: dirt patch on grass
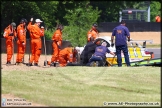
(155, 36)
(20, 68)
(10, 100)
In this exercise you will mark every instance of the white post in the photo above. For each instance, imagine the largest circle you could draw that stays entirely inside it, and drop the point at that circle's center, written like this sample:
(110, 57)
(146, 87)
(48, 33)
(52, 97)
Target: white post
(148, 14)
(120, 16)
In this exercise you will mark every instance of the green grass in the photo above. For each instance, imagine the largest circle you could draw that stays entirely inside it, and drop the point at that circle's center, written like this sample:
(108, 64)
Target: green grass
(84, 86)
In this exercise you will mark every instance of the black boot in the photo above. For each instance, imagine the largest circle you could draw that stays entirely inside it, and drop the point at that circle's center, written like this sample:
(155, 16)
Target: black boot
(17, 63)
(53, 64)
(29, 64)
(8, 63)
(35, 64)
(45, 63)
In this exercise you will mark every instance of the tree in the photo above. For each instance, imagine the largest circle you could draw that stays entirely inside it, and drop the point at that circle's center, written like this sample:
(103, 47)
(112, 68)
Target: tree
(48, 12)
(155, 8)
(79, 19)
(110, 9)
(16, 10)
(74, 15)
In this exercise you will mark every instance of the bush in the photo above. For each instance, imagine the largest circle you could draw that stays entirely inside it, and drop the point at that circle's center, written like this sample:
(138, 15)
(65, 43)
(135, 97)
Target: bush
(49, 34)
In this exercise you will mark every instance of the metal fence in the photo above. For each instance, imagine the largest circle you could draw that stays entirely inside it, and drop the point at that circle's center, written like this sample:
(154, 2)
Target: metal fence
(140, 14)
(49, 49)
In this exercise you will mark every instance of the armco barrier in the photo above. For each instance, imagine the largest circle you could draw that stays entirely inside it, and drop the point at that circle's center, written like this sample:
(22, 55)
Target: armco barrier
(133, 27)
(49, 49)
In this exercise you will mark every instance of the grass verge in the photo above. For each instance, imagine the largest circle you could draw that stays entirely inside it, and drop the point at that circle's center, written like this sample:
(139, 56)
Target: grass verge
(84, 86)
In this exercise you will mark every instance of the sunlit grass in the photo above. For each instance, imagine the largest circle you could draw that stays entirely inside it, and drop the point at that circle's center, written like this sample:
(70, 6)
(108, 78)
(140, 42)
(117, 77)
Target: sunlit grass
(83, 86)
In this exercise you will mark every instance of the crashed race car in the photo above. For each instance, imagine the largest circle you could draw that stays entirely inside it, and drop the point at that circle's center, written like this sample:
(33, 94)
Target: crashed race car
(138, 54)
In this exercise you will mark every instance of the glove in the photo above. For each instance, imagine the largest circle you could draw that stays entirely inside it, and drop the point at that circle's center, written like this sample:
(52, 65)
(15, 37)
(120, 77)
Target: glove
(128, 39)
(42, 27)
(112, 44)
(11, 34)
(31, 19)
(23, 44)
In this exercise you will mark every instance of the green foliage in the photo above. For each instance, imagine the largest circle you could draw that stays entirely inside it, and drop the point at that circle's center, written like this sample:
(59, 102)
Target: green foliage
(47, 11)
(80, 20)
(75, 15)
(155, 9)
(49, 34)
(110, 9)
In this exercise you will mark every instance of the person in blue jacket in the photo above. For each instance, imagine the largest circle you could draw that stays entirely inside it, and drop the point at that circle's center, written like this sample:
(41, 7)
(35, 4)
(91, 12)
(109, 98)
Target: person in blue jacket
(121, 34)
(100, 54)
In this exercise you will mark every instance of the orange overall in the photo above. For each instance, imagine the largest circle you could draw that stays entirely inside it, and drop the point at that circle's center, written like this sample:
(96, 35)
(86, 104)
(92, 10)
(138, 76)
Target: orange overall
(158, 19)
(9, 41)
(66, 55)
(36, 44)
(92, 33)
(21, 42)
(57, 42)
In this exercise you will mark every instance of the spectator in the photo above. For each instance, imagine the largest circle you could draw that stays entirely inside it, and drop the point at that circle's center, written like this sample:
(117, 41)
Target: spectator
(10, 35)
(100, 54)
(157, 18)
(121, 32)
